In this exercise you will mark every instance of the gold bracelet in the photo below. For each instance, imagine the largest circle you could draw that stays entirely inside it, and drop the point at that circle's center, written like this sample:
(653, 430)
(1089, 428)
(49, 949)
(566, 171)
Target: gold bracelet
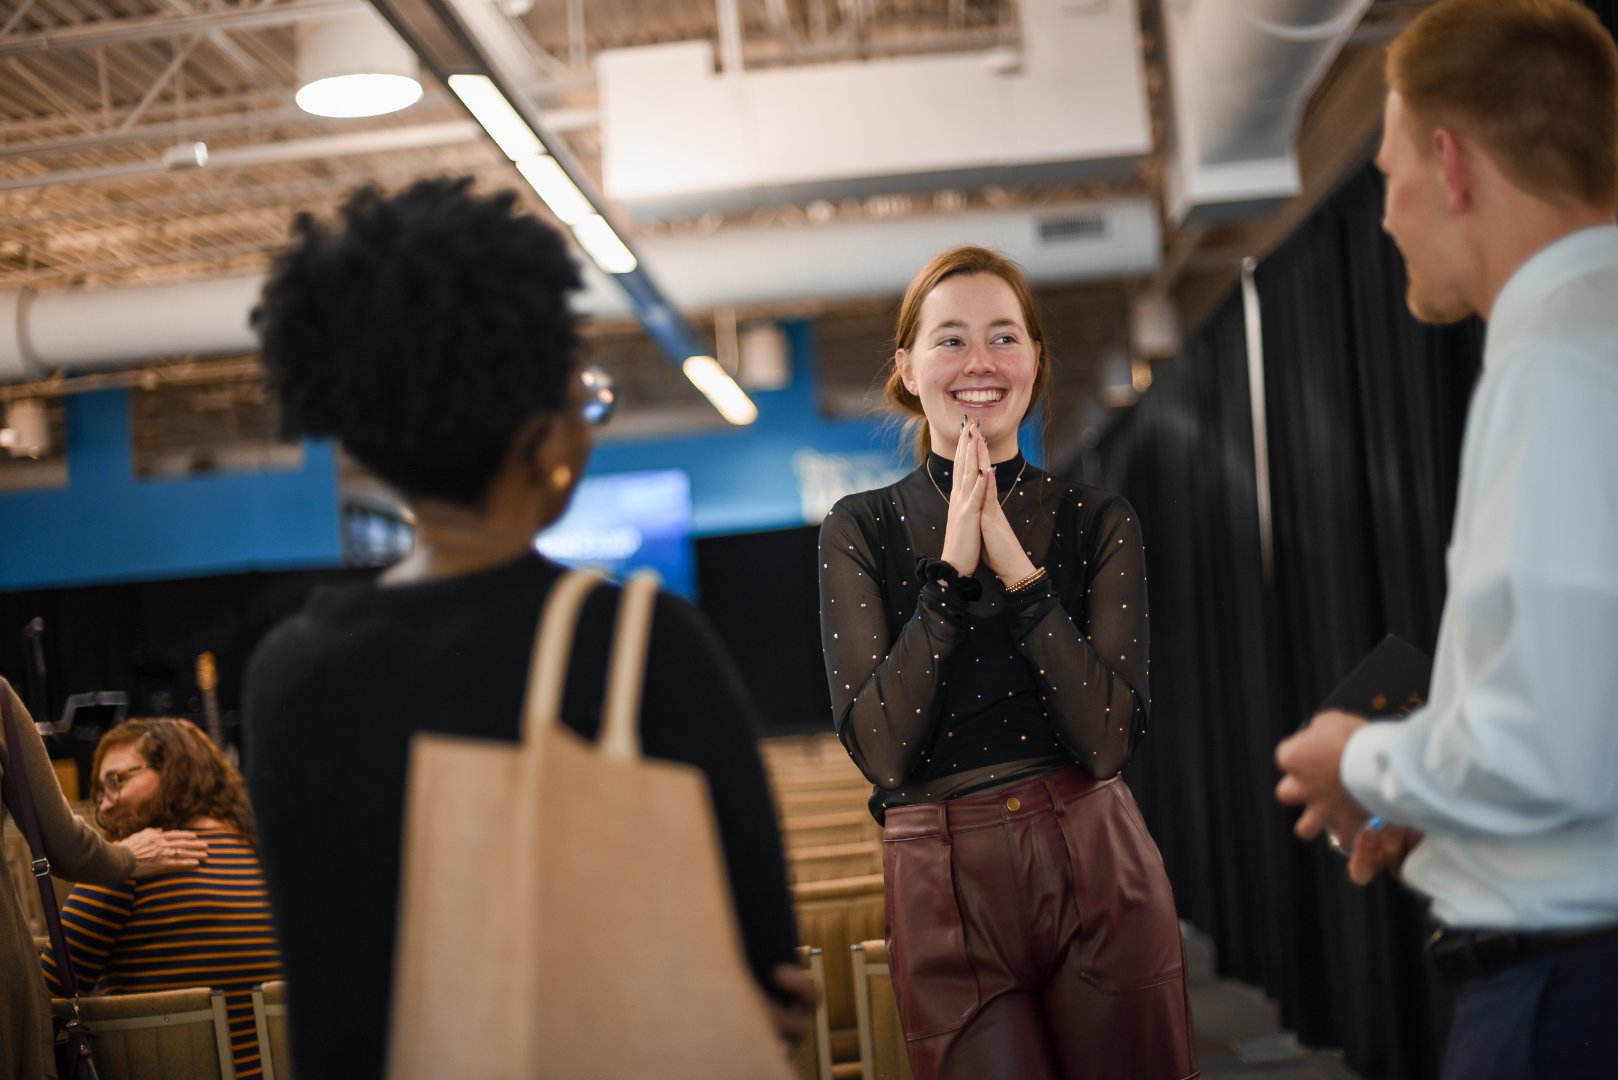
(1026, 583)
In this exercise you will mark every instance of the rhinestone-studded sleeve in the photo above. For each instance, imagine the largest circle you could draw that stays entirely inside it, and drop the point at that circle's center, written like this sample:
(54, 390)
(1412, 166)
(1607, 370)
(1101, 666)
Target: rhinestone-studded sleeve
(1085, 635)
(885, 688)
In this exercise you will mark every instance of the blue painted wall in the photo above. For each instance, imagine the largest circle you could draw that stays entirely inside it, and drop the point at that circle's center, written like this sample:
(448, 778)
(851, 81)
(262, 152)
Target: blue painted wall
(108, 526)
(743, 479)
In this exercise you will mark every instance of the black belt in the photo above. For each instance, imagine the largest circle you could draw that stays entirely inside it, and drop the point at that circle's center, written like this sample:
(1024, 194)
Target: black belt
(1472, 954)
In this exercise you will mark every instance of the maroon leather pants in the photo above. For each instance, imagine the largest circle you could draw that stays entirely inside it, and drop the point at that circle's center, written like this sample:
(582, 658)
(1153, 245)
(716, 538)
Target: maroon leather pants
(1032, 934)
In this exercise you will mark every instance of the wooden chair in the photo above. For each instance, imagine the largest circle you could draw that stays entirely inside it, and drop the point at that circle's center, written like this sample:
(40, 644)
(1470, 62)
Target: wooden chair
(163, 1035)
(270, 1018)
(813, 1059)
(882, 1037)
(835, 861)
(790, 750)
(833, 916)
(838, 827)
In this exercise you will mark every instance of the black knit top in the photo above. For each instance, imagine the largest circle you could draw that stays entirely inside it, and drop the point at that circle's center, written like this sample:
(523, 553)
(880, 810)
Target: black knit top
(333, 697)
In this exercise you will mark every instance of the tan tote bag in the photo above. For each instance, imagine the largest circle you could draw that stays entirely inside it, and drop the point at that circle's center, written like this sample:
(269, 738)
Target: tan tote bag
(564, 909)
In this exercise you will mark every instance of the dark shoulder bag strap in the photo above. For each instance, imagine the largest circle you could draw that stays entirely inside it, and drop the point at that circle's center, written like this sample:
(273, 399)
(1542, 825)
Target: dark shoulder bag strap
(41, 865)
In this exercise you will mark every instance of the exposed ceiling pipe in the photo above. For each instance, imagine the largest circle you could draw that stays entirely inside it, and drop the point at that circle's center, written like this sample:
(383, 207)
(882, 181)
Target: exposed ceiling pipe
(730, 36)
(563, 120)
(44, 333)
(114, 328)
(380, 140)
(146, 28)
(1242, 72)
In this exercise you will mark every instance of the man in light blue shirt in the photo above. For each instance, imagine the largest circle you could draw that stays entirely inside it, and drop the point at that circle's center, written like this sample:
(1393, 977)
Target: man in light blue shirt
(1500, 150)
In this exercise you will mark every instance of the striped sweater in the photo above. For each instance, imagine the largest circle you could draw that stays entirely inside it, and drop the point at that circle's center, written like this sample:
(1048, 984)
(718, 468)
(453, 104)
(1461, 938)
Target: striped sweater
(204, 927)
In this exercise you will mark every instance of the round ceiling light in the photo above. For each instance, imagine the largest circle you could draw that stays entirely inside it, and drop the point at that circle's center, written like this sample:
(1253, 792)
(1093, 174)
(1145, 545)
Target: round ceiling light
(354, 65)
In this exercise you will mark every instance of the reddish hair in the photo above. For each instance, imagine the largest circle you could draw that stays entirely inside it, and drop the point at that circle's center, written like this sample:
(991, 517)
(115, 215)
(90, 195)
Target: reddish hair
(196, 780)
(960, 261)
(1535, 82)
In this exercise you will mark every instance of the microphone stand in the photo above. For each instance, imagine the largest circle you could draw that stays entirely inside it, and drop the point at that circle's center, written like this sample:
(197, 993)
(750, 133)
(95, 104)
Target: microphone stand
(33, 635)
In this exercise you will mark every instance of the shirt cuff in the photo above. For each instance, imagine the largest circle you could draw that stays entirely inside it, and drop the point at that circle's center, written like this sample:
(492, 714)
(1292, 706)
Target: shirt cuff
(1027, 609)
(942, 575)
(1367, 766)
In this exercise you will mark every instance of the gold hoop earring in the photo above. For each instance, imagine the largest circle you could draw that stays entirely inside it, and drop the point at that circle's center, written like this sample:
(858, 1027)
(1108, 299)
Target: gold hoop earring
(561, 477)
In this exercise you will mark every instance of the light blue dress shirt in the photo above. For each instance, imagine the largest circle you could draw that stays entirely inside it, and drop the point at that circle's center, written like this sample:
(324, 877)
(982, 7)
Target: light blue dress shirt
(1511, 770)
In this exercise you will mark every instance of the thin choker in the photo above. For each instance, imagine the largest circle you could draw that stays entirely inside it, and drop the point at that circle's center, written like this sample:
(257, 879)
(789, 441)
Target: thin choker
(928, 467)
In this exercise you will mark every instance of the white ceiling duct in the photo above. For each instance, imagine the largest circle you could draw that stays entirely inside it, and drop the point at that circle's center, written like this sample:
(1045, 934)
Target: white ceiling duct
(1242, 72)
(766, 264)
(113, 328)
(679, 137)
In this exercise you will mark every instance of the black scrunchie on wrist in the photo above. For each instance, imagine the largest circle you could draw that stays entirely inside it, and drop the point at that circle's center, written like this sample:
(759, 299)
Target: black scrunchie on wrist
(937, 570)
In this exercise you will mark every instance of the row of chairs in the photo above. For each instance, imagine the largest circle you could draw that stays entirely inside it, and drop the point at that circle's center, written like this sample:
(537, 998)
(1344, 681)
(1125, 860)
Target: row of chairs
(179, 1034)
(879, 1033)
(834, 858)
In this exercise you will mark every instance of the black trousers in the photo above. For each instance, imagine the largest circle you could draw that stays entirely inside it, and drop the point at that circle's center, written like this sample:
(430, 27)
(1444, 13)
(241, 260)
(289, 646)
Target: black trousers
(1550, 1017)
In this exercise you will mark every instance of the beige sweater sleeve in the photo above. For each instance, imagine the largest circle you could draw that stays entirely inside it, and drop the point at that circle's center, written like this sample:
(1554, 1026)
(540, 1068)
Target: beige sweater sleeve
(76, 851)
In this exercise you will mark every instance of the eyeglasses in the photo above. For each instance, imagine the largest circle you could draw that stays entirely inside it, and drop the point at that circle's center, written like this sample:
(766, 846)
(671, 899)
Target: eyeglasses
(599, 398)
(113, 783)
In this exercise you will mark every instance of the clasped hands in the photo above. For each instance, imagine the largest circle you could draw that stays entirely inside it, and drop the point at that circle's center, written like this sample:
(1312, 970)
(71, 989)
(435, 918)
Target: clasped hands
(977, 530)
(1311, 760)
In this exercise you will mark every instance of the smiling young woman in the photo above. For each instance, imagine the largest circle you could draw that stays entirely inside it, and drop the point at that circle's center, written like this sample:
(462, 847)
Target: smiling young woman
(985, 633)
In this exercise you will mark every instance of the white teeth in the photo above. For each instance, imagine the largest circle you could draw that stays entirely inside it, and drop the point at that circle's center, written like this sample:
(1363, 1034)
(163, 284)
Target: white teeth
(982, 397)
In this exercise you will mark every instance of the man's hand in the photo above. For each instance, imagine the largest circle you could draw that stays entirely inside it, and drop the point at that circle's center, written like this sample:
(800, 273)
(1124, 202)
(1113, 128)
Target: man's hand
(1310, 759)
(1376, 850)
(793, 1020)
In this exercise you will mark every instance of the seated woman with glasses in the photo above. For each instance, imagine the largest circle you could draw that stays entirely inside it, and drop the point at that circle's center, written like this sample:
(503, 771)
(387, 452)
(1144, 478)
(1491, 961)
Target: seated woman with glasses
(429, 332)
(208, 926)
(76, 852)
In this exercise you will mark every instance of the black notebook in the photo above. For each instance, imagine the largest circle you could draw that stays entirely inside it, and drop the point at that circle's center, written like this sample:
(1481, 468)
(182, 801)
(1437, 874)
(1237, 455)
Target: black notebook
(1392, 680)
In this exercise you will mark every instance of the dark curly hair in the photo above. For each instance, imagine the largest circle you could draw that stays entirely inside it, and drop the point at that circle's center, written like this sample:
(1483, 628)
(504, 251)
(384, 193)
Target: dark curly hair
(422, 332)
(196, 780)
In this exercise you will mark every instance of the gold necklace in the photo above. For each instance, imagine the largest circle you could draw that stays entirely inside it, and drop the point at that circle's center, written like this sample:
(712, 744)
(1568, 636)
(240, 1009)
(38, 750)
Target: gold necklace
(928, 467)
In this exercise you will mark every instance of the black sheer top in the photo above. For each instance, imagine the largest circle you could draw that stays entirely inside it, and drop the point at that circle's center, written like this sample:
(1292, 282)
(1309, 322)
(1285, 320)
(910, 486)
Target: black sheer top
(940, 691)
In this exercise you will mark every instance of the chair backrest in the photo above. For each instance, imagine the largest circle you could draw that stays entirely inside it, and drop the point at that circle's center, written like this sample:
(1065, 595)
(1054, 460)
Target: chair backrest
(833, 915)
(270, 1018)
(836, 827)
(163, 1035)
(882, 1037)
(835, 861)
(813, 1059)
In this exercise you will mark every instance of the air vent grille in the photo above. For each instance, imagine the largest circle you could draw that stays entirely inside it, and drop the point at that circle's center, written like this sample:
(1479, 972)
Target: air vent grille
(1065, 230)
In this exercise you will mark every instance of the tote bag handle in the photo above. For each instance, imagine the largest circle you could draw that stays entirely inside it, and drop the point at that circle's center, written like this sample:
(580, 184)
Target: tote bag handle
(620, 733)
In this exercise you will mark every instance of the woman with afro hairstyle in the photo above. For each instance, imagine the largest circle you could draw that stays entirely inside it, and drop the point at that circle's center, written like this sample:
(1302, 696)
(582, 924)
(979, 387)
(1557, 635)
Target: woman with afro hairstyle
(429, 333)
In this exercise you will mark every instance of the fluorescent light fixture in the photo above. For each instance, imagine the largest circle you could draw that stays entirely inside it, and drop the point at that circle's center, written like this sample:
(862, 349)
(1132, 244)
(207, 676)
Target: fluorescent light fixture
(720, 389)
(491, 109)
(599, 242)
(353, 64)
(563, 197)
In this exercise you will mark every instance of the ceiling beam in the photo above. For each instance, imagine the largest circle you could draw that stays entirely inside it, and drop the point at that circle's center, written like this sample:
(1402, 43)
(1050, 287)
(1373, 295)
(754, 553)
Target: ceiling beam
(146, 28)
(379, 141)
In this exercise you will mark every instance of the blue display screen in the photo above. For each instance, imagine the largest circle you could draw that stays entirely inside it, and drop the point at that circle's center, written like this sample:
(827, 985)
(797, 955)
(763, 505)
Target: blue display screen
(624, 521)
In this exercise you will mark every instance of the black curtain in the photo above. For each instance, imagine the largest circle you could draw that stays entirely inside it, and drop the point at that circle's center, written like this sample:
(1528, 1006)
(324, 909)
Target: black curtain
(1365, 410)
(762, 593)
